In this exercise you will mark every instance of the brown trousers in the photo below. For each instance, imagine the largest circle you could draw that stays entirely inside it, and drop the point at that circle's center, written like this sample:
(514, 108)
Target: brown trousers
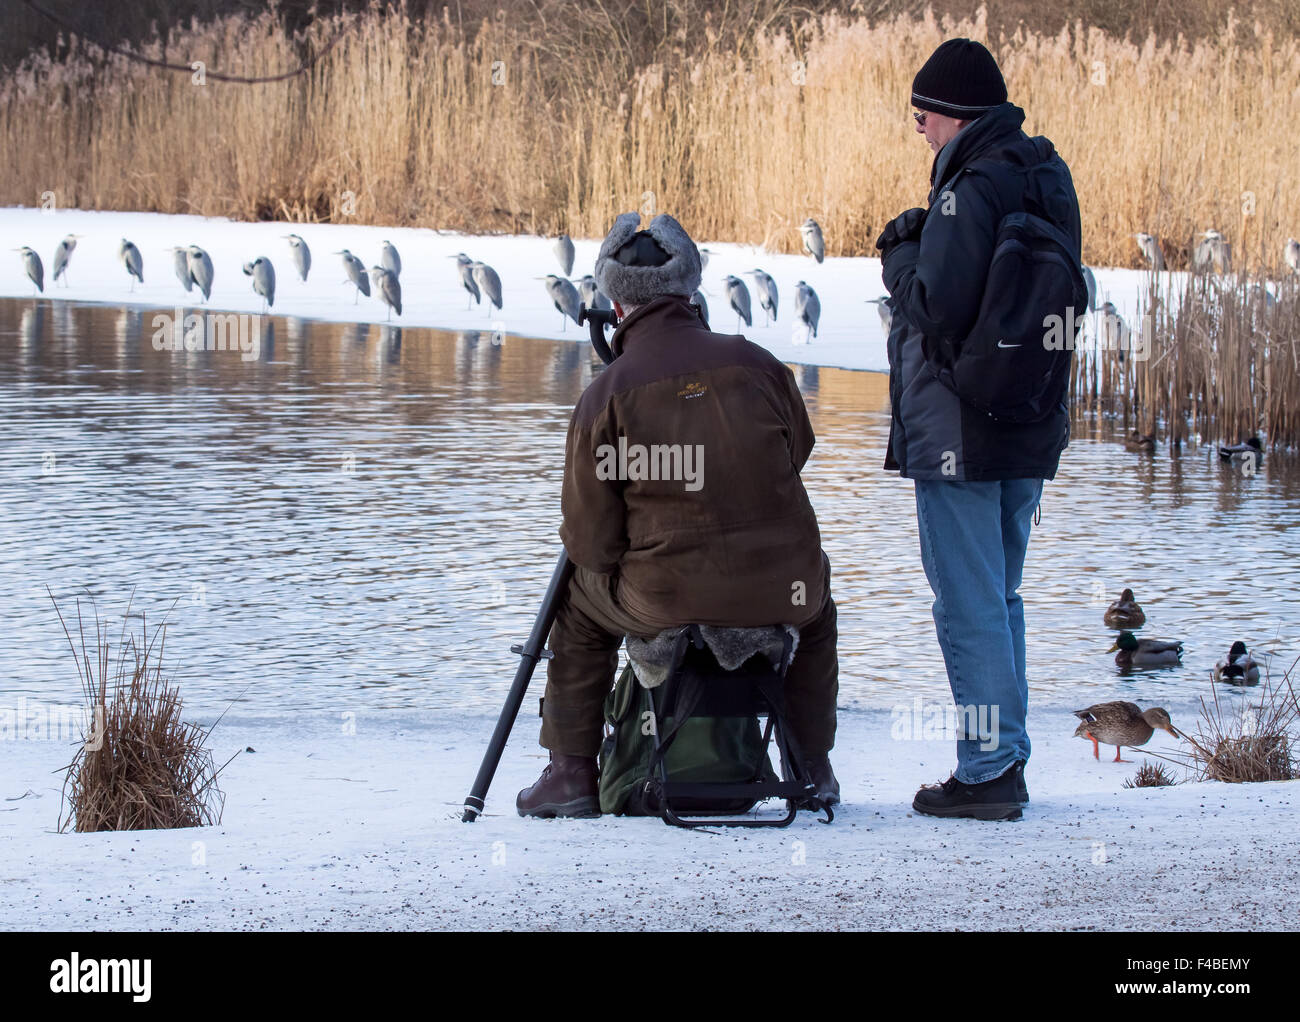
(589, 628)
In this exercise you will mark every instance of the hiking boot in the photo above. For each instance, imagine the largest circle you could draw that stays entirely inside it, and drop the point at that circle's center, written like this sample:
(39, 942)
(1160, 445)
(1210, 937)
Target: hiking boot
(999, 799)
(568, 787)
(818, 770)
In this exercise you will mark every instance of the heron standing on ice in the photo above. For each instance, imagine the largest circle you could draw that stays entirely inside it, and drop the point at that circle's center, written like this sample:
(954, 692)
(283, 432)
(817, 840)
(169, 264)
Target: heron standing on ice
(391, 261)
(181, 264)
(565, 297)
(1114, 332)
(813, 243)
(61, 256)
(132, 260)
(698, 301)
(885, 310)
(591, 294)
(487, 279)
(1151, 250)
(263, 274)
(807, 310)
(738, 295)
(564, 252)
(389, 288)
(465, 265)
(356, 271)
(35, 269)
(767, 296)
(199, 264)
(301, 254)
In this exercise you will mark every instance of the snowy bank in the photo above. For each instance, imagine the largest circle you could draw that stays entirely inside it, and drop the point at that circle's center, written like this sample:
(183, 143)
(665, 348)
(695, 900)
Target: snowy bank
(329, 830)
(850, 334)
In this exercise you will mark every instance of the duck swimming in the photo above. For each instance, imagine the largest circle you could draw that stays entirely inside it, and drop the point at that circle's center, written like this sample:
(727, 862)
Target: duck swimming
(1125, 612)
(1237, 668)
(1135, 652)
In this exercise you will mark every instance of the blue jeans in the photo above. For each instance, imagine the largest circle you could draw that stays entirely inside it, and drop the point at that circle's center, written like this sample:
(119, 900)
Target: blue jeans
(973, 541)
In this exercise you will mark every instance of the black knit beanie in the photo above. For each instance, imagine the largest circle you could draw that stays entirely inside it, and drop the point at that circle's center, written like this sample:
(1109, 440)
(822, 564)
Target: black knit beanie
(961, 80)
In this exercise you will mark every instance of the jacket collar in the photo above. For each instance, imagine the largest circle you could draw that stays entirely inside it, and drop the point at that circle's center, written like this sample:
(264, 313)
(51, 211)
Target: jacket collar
(995, 128)
(664, 313)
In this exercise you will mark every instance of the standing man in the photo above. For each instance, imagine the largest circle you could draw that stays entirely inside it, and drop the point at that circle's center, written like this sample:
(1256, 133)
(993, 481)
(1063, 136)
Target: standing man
(978, 480)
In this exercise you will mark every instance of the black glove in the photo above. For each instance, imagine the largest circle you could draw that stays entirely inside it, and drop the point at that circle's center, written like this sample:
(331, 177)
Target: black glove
(904, 227)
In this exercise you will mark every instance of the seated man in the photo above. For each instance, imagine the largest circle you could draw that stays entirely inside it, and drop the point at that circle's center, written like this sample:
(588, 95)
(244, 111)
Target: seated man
(682, 504)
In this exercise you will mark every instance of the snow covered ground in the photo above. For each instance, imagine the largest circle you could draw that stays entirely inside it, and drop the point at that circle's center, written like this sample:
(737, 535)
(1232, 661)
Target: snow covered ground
(850, 334)
(329, 830)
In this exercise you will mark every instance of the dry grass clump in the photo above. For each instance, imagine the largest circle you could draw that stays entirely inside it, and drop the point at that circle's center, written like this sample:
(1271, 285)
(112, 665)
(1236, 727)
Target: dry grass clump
(740, 119)
(141, 767)
(1250, 742)
(1151, 775)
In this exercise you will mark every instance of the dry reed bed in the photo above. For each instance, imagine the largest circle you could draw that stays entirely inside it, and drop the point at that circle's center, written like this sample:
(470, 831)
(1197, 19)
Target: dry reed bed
(1223, 364)
(811, 120)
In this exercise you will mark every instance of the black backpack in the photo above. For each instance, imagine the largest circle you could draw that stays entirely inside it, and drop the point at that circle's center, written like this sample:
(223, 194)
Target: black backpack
(1014, 364)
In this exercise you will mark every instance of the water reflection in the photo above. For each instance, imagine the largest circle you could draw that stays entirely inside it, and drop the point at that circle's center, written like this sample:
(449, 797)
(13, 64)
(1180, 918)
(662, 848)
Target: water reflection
(365, 517)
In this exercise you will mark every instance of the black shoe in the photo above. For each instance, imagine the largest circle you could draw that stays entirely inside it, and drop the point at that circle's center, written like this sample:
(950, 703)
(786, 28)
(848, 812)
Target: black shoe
(999, 799)
(818, 771)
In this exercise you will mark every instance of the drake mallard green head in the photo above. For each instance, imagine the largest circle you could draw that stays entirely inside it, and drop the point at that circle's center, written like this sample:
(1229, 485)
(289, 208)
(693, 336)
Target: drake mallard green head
(1237, 668)
(1135, 652)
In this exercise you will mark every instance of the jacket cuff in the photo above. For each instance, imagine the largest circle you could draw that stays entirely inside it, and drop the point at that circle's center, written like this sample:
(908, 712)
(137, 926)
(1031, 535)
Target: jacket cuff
(897, 260)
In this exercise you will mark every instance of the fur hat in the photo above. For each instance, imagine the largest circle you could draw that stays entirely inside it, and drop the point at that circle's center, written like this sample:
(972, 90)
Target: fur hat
(635, 267)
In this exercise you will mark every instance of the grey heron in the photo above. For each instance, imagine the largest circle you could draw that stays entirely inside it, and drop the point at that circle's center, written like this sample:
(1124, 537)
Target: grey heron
(181, 264)
(263, 274)
(301, 254)
(739, 297)
(356, 271)
(35, 269)
(199, 264)
(388, 287)
(465, 265)
(61, 256)
(807, 308)
(885, 310)
(486, 278)
(1292, 254)
(592, 296)
(390, 260)
(1090, 283)
(698, 300)
(565, 297)
(813, 242)
(704, 258)
(1213, 252)
(1113, 332)
(563, 249)
(1151, 250)
(132, 260)
(767, 296)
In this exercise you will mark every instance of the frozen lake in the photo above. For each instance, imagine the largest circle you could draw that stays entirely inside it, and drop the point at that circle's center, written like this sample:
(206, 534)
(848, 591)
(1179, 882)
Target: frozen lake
(364, 518)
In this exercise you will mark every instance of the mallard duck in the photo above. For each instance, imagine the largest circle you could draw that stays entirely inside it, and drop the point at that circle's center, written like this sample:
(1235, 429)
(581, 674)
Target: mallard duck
(1125, 612)
(1135, 652)
(1252, 448)
(1121, 723)
(1237, 668)
(1140, 442)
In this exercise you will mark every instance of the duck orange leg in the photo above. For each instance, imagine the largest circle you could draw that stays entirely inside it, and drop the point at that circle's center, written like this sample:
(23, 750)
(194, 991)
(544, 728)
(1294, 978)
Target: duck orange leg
(1117, 759)
(1096, 753)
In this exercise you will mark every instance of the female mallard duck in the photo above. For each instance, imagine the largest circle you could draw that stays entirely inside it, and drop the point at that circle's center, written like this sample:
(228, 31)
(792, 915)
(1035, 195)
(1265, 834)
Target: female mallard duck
(1125, 612)
(1140, 442)
(1121, 723)
(1135, 652)
(1237, 668)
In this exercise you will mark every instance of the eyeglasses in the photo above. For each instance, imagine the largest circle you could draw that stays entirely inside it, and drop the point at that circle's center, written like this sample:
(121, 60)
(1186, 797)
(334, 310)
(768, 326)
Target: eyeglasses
(920, 116)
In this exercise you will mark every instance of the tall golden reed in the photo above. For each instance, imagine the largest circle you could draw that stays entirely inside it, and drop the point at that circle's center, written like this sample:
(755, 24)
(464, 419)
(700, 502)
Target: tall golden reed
(414, 122)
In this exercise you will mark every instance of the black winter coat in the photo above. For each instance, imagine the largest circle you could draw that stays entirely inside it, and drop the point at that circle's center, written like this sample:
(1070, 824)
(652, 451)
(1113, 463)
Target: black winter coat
(936, 285)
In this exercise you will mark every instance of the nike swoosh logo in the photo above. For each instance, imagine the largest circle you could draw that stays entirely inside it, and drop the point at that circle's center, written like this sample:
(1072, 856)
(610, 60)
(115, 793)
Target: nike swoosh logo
(1004, 344)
